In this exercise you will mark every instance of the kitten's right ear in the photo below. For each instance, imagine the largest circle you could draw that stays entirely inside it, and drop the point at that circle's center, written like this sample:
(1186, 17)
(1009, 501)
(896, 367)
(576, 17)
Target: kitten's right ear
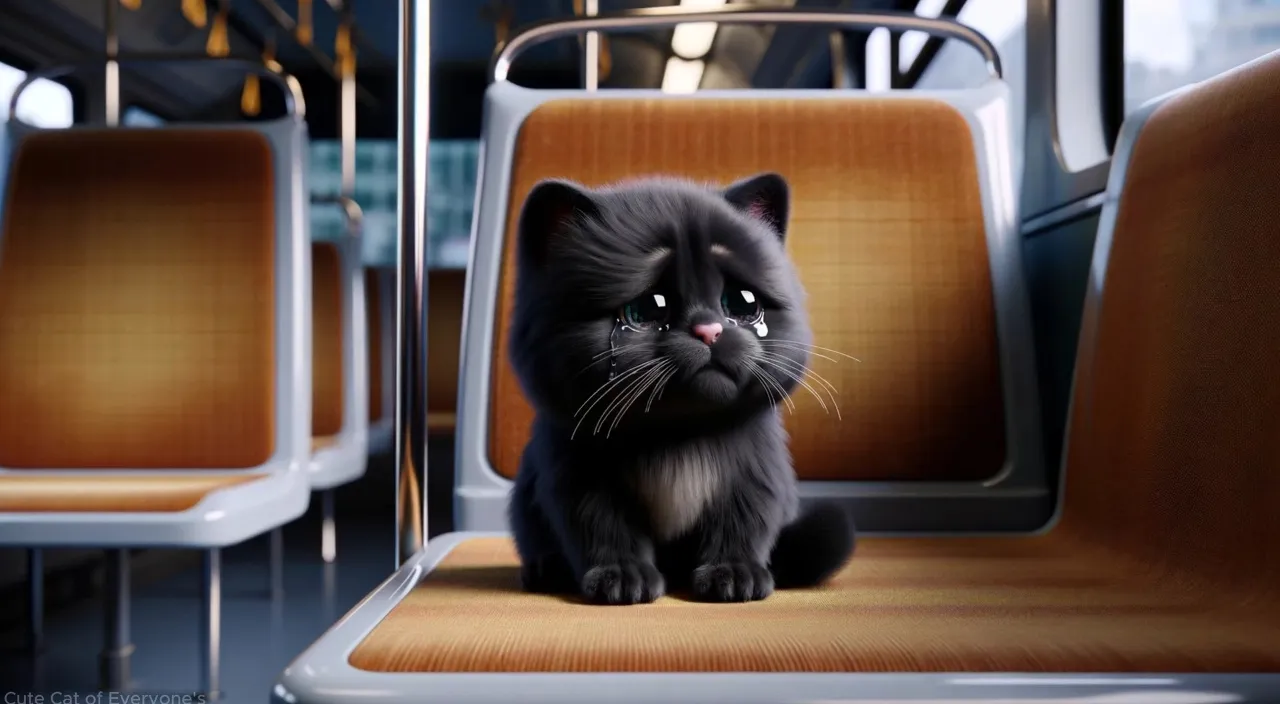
(550, 205)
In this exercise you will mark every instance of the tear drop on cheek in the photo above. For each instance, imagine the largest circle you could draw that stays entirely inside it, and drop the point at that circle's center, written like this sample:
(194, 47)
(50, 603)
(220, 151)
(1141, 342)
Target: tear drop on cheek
(762, 328)
(613, 350)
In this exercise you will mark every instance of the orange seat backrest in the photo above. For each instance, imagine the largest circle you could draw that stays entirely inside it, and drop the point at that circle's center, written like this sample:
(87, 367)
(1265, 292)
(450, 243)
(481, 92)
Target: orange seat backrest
(1174, 441)
(137, 301)
(326, 340)
(888, 233)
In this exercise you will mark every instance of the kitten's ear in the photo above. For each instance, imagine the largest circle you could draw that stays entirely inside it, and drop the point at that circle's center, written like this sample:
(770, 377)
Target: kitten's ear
(766, 197)
(550, 205)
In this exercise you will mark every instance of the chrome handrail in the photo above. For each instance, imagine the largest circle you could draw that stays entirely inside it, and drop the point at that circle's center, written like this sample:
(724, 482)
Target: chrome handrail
(657, 17)
(351, 211)
(293, 99)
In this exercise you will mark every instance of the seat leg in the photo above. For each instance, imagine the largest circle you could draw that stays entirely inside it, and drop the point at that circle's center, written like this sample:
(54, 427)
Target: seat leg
(118, 647)
(211, 623)
(328, 530)
(35, 600)
(277, 564)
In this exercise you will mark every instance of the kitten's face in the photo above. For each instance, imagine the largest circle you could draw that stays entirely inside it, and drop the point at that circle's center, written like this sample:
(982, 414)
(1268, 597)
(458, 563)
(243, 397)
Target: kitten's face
(656, 302)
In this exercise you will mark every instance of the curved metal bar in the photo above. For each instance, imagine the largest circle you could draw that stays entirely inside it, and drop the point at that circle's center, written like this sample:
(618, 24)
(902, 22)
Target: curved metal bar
(657, 17)
(351, 211)
(295, 104)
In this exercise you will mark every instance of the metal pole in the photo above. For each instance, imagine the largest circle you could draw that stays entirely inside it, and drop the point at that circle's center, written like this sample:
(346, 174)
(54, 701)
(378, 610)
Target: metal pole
(35, 600)
(112, 78)
(411, 294)
(276, 557)
(328, 528)
(592, 58)
(117, 647)
(347, 113)
(211, 623)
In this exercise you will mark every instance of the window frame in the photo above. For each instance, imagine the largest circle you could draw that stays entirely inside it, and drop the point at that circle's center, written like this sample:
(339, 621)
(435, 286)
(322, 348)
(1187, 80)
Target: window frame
(1112, 67)
(74, 88)
(928, 52)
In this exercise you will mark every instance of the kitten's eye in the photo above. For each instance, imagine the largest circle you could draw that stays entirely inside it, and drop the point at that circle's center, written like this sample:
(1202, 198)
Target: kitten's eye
(741, 305)
(648, 312)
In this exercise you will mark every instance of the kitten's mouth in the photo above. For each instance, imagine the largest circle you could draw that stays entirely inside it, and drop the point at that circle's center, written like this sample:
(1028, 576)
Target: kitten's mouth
(714, 382)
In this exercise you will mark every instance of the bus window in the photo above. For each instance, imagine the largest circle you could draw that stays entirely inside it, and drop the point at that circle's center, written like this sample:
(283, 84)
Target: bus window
(451, 197)
(44, 104)
(135, 116)
(451, 201)
(1168, 45)
(956, 65)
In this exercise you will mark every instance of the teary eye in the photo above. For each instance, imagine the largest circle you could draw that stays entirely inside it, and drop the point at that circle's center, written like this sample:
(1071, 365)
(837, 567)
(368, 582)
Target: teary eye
(741, 305)
(648, 312)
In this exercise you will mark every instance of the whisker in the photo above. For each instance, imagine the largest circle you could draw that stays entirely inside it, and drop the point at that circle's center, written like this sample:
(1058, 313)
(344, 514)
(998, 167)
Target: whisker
(808, 346)
(647, 381)
(768, 389)
(626, 391)
(616, 380)
(620, 397)
(604, 389)
(797, 367)
(808, 351)
(773, 383)
(799, 380)
(805, 371)
(657, 389)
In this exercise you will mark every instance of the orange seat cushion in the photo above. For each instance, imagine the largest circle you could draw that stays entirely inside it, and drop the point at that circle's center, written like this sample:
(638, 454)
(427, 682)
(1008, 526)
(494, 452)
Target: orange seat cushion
(323, 442)
(914, 605)
(111, 493)
(327, 392)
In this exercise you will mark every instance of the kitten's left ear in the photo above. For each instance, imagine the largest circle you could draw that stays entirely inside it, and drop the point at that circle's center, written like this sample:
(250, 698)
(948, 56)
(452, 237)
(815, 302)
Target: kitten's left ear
(550, 205)
(764, 196)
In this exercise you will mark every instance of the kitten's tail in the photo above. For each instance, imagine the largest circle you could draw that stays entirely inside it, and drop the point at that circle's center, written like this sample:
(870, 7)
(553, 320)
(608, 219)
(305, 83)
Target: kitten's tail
(814, 547)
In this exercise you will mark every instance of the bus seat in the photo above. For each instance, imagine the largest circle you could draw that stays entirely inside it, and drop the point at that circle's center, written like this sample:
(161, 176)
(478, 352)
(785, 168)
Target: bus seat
(446, 291)
(1160, 558)
(339, 370)
(904, 233)
(380, 311)
(150, 337)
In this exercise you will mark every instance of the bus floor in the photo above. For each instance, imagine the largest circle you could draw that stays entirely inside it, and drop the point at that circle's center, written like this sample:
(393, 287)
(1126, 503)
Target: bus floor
(259, 636)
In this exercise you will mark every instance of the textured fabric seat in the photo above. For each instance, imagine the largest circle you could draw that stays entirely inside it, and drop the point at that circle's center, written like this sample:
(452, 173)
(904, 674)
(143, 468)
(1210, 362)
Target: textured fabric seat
(109, 492)
(947, 605)
(1163, 557)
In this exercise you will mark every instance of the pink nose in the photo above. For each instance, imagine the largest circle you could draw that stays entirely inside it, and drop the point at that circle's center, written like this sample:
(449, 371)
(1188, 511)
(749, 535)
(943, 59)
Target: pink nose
(708, 332)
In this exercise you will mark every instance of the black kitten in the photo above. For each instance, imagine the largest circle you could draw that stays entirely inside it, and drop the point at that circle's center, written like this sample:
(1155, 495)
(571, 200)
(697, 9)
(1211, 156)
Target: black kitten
(657, 325)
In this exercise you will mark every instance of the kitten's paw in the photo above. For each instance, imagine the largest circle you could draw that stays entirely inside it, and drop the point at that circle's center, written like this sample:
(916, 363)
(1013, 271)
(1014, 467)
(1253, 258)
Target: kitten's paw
(732, 581)
(628, 582)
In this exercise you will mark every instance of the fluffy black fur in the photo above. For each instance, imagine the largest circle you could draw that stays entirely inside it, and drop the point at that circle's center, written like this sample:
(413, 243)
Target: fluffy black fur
(675, 474)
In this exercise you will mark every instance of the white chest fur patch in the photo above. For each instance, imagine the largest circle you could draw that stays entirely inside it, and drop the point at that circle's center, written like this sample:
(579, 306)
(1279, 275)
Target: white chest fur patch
(676, 487)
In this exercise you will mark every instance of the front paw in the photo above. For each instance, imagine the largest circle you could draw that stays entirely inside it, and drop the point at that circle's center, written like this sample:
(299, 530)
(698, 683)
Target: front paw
(625, 582)
(732, 581)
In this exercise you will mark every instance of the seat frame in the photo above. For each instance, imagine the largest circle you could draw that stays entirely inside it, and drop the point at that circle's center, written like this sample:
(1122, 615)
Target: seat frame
(231, 515)
(323, 673)
(1017, 499)
(346, 459)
